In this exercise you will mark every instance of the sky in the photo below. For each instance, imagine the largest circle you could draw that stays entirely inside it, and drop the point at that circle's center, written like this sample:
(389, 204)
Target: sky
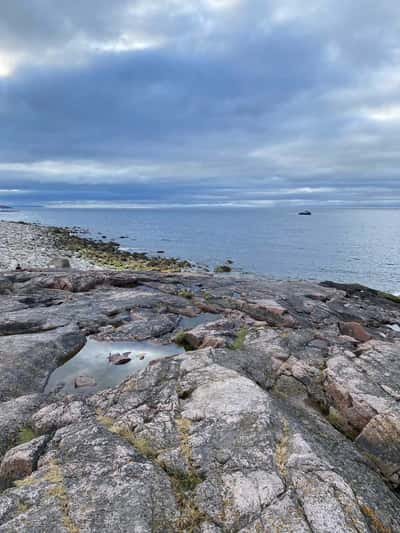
(200, 102)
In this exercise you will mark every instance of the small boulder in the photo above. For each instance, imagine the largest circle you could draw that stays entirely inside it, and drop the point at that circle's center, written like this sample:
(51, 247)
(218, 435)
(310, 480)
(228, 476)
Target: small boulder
(380, 439)
(269, 311)
(84, 381)
(21, 461)
(354, 330)
(57, 415)
(119, 359)
(221, 269)
(61, 262)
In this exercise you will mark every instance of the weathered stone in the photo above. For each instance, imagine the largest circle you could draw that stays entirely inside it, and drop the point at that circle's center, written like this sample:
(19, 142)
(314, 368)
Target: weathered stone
(355, 330)
(14, 416)
(85, 381)
(90, 480)
(21, 461)
(61, 263)
(57, 415)
(27, 360)
(267, 310)
(145, 325)
(381, 440)
(211, 335)
(119, 359)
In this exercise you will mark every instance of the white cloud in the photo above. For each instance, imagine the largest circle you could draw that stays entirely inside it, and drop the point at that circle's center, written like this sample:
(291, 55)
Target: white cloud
(390, 113)
(7, 64)
(79, 169)
(15, 191)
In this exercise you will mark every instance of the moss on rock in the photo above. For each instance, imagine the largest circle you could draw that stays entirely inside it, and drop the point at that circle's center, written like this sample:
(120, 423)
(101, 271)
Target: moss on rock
(109, 255)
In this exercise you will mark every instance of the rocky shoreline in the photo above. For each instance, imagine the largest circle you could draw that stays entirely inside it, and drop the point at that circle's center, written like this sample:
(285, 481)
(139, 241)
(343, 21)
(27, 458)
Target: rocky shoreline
(282, 415)
(35, 246)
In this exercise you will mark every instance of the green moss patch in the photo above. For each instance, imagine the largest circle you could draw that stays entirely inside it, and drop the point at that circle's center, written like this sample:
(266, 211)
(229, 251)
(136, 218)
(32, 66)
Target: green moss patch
(109, 254)
(25, 435)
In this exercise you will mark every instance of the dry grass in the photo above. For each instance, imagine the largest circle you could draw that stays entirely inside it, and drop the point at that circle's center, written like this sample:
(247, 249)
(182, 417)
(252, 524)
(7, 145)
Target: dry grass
(58, 491)
(282, 449)
(241, 335)
(374, 520)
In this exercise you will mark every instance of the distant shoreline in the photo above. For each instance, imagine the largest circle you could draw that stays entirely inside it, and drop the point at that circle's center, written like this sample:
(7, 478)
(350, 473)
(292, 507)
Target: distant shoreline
(28, 245)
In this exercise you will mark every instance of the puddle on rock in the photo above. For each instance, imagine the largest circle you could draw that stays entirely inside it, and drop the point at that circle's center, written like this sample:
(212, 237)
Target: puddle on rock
(93, 362)
(202, 318)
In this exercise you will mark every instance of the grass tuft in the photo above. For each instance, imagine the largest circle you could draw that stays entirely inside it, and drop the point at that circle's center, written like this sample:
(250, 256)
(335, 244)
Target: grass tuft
(25, 435)
(238, 343)
(282, 448)
(185, 293)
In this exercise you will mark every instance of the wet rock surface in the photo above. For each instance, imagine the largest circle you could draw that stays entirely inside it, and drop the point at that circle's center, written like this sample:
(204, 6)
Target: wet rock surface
(284, 416)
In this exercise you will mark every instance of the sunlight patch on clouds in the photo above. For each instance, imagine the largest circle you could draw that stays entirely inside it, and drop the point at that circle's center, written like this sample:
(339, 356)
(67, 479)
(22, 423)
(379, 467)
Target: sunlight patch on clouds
(7, 65)
(295, 190)
(128, 42)
(222, 4)
(14, 191)
(84, 169)
(293, 9)
(384, 114)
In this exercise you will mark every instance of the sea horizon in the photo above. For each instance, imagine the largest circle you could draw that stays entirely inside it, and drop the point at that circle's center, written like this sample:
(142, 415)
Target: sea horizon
(343, 244)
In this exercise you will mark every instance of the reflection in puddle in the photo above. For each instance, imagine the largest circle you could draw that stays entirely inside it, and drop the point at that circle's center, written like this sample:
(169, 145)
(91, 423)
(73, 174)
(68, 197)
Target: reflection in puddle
(203, 318)
(93, 361)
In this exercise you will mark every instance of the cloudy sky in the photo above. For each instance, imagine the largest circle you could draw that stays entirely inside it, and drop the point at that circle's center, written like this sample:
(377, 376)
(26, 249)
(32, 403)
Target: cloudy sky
(228, 102)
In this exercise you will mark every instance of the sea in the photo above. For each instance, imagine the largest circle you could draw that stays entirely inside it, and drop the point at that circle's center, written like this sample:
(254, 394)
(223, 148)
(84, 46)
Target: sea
(339, 244)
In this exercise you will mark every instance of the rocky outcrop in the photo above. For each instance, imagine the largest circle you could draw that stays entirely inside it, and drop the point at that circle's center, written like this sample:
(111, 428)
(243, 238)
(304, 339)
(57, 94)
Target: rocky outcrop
(284, 416)
(26, 360)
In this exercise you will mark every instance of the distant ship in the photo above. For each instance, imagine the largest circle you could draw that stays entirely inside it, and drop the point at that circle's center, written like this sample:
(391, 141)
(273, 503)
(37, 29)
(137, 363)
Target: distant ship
(305, 213)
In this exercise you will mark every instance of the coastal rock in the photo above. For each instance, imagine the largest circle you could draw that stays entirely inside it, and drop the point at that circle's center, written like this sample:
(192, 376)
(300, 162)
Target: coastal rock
(21, 461)
(275, 421)
(380, 439)
(267, 310)
(221, 428)
(14, 416)
(143, 325)
(90, 480)
(57, 415)
(211, 335)
(27, 360)
(61, 263)
(355, 330)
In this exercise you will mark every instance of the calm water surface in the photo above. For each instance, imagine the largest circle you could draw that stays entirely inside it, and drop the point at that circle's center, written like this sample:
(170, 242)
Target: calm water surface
(353, 245)
(93, 361)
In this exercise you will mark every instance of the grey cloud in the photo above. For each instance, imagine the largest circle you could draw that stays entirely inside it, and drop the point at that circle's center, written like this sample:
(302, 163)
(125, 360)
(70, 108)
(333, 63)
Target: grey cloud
(268, 97)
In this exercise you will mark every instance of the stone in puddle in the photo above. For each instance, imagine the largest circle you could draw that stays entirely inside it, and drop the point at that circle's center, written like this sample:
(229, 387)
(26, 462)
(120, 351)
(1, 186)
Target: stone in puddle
(119, 359)
(84, 381)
